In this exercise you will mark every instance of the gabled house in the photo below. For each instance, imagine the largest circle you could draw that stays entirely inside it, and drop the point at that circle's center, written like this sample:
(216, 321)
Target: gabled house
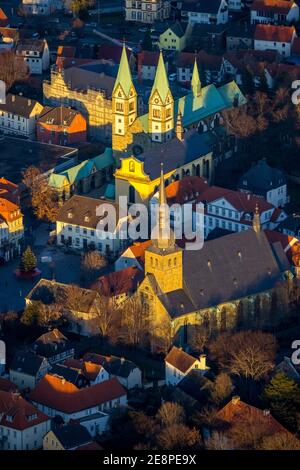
(94, 373)
(125, 371)
(27, 369)
(209, 67)
(36, 55)
(18, 115)
(291, 226)
(266, 182)
(174, 37)
(69, 437)
(274, 12)
(178, 364)
(133, 256)
(22, 425)
(89, 406)
(147, 64)
(81, 305)
(70, 374)
(54, 346)
(278, 38)
(79, 225)
(212, 12)
(61, 126)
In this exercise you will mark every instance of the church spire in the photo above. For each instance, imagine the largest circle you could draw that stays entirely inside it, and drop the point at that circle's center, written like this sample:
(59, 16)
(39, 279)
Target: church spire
(124, 78)
(165, 236)
(256, 220)
(161, 82)
(196, 82)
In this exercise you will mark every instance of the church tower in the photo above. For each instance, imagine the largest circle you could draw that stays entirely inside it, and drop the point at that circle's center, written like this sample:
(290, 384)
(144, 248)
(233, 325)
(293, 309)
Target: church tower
(124, 105)
(161, 106)
(164, 259)
(196, 82)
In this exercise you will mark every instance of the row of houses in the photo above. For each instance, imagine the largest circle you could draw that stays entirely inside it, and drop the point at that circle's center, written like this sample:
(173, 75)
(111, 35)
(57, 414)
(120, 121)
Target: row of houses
(11, 220)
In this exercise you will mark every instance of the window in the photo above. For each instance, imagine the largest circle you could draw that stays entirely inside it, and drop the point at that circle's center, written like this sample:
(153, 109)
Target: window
(119, 107)
(156, 113)
(131, 166)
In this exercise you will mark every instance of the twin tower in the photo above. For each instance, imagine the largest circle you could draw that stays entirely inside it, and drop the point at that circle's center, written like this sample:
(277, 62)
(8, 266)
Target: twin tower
(159, 122)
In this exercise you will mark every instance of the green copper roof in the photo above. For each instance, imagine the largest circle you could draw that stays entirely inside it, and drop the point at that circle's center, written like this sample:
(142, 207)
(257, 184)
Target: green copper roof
(196, 83)
(124, 74)
(212, 100)
(161, 83)
(110, 191)
(82, 170)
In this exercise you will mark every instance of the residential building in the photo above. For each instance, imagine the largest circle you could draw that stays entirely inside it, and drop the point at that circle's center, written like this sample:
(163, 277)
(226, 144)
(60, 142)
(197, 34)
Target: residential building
(27, 369)
(278, 38)
(7, 386)
(147, 11)
(267, 182)
(209, 66)
(203, 12)
(274, 12)
(235, 5)
(237, 412)
(147, 65)
(61, 126)
(126, 372)
(118, 286)
(289, 369)
(54, 346)
(80, 225)
(70, 374)
(235, 211)
(36, 55)
(81, 315)
(18, 115)
(291, 226)
(239, 36)
(12, 227)
(178, 364)
(9, 191)
(133, 256)
(174, 37)
(4, 234)
(69, 437)
(44, 7)
(56, 396)
(94, 373)
(22, 425)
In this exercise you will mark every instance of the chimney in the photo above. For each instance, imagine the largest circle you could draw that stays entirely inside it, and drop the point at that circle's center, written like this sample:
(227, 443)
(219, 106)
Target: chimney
(202, 360)
(235, 399)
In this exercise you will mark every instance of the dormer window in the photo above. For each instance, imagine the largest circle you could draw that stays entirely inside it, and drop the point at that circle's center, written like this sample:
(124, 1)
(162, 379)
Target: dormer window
(70, 215)
(87, 218)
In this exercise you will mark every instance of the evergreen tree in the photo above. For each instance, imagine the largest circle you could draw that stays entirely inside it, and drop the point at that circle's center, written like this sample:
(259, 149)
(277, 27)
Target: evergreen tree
(147, 41)
(283, 396)
(247, 81)
(32, 315)
(28, 261)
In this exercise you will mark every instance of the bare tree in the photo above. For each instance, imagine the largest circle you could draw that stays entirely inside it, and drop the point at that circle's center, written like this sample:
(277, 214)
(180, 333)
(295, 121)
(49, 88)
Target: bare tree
(12, 68)
(135, 321)
(91, 263)
(178, 436)
(171, 413)
(199, 338)
(218, 441)
(280, 441)
(249, 354)
(222, 388)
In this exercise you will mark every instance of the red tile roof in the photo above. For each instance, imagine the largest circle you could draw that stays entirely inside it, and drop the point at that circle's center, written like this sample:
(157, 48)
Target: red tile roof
(4, 21)
(278, 6)
(236, 410)
(293, 71)
(148, 58)
(180, 359)
(58, 394)
(7, 386)
(18, 413)
(267, 32)
(118, 282)
(290, 244)
(187, 189)
(138, 248)
(111, 52)
(239, 200)
(9, 190)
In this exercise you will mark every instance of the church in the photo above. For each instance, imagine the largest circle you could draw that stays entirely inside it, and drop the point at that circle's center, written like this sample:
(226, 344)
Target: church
(175, 133)
(183, 288)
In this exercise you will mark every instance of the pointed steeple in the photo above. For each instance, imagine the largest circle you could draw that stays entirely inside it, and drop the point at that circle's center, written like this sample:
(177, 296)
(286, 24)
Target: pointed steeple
(196, 83)
(179, 126)
(124, 77)
(165, 236)
(256, 220)
(161, 82)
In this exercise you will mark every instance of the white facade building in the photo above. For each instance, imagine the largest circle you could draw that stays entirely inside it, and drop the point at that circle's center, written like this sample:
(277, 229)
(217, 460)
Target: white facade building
(281, 12)
(212, 12)
(147, 11)
(274, 38)
(178, 364)
(36, 55)
(18, 116)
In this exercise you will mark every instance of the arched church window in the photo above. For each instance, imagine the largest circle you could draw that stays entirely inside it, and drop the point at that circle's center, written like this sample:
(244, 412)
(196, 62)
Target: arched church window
(120, 94)
(131, 166)
(175, 261)
(156, 113)
(119, 106)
